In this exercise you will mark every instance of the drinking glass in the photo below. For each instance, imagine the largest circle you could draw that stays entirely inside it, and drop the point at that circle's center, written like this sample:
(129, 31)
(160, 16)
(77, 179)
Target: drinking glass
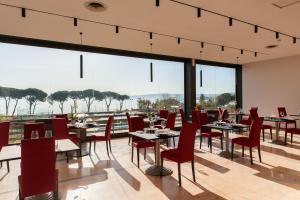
(34, 135)
(48, 134)
(281, 114)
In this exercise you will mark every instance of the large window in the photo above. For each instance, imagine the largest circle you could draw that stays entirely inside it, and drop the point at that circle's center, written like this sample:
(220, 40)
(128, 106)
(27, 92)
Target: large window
(215, 86)
(38, 81)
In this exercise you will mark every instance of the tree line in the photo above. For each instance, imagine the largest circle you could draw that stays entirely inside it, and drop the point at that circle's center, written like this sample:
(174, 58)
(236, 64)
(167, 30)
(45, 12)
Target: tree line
(33, 96)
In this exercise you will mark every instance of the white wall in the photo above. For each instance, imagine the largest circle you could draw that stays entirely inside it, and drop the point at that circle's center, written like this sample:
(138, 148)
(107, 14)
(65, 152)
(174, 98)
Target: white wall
(273, 83)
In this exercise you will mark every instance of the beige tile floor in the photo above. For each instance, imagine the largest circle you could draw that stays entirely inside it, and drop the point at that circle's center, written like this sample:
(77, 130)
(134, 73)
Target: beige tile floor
(115, 177)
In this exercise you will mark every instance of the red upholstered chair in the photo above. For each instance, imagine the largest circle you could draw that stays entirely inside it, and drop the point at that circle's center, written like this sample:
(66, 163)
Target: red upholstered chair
(38, 171)
(29, 127)
(182, 114)
(185, 150)
(61, 116)
(4, 134)
(206, 132)
(224, 116)
(106, 137)
(60, 131)
(137, 124)
(282, 113)
(292, 131)
(220, 111)
(163, 114)
(252, 114)
(252, 141)
(195, 119)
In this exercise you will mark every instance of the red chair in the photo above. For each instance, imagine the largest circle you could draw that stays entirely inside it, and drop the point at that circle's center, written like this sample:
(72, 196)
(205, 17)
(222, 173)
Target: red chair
(282, 113)
(60, 131)
(185, 150)
(4, 134)
(38, 171)
(252, 114)
(29, 127)
(206, 132)
(163, 114)
(292, 131)
(182, 114)
(95, 137)
(61, 116)
(224, 116)
(252, 141)
(195, 119)
(137, 124)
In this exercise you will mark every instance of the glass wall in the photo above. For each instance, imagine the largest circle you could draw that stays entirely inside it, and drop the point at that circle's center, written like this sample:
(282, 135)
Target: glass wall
(39, 82)
(215, 87)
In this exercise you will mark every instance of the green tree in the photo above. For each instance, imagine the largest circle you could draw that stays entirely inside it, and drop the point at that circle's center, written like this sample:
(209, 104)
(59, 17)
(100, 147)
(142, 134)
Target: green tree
(5, 94)
(108, 97)
(75, 96)
(61, 97)
(224, 99)
(143, 104)
(33, 96)
(202, 100)
(165, 103)
(89, 96)
(17, 95)
(121, 99)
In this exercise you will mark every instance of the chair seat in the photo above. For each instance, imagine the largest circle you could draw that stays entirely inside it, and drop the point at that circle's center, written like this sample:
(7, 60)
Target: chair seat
(170, 154)
(143, 144)
(293, 130)
(265, 126)
(245, 122)
(98, 138)
(243, 141)
(211, 134)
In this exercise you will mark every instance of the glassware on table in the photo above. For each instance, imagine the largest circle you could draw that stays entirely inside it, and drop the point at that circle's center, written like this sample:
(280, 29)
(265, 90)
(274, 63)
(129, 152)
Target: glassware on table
(281, 114)
(34, 135)
(163, 124)
(48, 134)
(151, 124)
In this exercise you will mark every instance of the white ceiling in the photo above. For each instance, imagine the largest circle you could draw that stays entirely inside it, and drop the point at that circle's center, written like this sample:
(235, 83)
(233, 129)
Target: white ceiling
(169, 18)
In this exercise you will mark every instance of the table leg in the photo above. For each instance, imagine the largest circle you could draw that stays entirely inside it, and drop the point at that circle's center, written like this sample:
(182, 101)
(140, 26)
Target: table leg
(276, 139)
(7, 163)
(226, 153)
(154, 170)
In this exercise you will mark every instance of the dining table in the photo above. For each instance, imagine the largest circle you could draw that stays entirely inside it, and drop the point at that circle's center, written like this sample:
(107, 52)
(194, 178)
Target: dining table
(277, 121)
(156, 135)
(13, 152)
(226, 128)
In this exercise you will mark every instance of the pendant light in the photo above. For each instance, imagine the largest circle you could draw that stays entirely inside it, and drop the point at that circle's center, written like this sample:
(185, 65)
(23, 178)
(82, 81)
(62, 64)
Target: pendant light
(151, 65)
(201, 80)
(81, 58)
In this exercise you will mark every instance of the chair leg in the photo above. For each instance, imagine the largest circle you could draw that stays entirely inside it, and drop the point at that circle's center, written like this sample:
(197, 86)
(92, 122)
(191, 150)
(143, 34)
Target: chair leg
(271, 134)
(258, 149)
(138, 157)
(20, 197)
(193, 170)
(95, 146)
(7, 164)
(263, 134)
(161, 166)
(251, 159)
(132, 153)
(145, 154)
(107, 148)
(232, 149)
(129, 138)
(174, 141)
(200, 141)
(221, 142)
(179, 174)
(285, 137)
(210, 143)
(90, 147)
(110, 146)
(1, 164)
(292, 138)
(79, 151)
(243, 148)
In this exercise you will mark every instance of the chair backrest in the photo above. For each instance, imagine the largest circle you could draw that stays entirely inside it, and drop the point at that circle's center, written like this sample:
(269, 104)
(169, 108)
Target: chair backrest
(253, 113)
(182, 114)
(282, 112)
(128, 121)
(171, 120)
(108, 127)
(163, 114)
(38, 171)
(195, 119)
(4, 134)
(220, 112)
(29, 127)
(203, 120)
(186, 143)
(61, 116)
(60, 128)
(137, 124)
(224, 115)
(255, 129)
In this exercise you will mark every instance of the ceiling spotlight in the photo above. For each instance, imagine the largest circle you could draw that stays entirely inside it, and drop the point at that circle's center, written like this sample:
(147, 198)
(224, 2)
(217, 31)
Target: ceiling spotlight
(202, 44)
(199, 12)
(178, 40)
(23, 11)
(157, 3)
(117, 29)
(294, 40)
(255, 29)
(277, 35)
(75, 21)
(222, 48)
(150, 35)
(230, 21)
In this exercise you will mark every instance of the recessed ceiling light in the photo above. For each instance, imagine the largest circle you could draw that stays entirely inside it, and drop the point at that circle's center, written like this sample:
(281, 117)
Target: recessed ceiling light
(272, 46)
(95, 6)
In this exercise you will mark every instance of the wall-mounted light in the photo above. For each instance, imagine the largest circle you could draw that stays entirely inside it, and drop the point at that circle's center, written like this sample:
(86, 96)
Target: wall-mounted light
(23, 12)
(198, 12)
(255, 29)
(150, 35)
(230, 21)
(202, 44)
(157, 3)
(75, 21)
(255, 54)
(242, 51)
(117, 29)
(294, 40)
(277, 35)
(222, 48)
(178, 40)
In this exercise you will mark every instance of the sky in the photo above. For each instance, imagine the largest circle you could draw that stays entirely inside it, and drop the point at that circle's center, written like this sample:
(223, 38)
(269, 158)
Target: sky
(54, 69)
